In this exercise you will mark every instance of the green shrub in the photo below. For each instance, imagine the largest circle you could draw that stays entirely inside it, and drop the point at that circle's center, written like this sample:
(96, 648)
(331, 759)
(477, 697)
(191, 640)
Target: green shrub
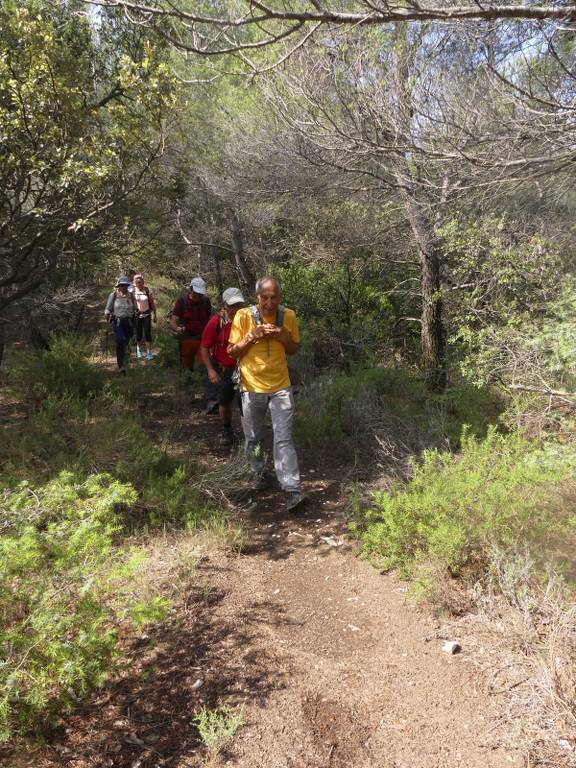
(501, 491)
(167, 348)
(148, 612)
(217, 727)
(347, 317)
(66, 575)
(63, 371)
(57, 572)
(172, 499)
(341, 413)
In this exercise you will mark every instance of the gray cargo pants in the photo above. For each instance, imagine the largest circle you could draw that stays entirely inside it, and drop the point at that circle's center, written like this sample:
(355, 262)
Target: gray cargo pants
(281, 404)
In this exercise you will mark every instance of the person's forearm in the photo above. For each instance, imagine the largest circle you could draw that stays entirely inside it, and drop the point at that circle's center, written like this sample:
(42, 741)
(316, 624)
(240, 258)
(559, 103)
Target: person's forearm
(205, 355)
(239, 350)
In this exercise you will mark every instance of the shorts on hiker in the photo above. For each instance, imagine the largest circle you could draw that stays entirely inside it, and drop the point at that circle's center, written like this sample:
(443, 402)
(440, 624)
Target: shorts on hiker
(144, 328)
(226, 392)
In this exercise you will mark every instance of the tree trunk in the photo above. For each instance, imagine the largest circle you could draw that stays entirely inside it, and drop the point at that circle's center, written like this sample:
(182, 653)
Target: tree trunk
(432, 330)
(432, 333)
(245, 276)
(217, 270)
(2, 338)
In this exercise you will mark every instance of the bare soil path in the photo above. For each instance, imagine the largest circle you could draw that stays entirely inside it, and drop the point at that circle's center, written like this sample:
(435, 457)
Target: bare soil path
(332, 664)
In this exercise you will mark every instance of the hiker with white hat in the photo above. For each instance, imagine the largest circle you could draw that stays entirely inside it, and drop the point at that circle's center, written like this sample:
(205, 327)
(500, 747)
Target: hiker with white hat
(219, 364)
(120, 311)
(188, 320)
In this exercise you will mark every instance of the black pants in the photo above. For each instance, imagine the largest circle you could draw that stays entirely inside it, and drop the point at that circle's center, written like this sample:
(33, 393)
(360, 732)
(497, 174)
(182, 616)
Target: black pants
(144, 328)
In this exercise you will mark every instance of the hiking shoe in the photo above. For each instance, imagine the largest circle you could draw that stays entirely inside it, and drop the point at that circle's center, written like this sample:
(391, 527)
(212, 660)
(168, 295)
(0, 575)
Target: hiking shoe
(211, 406)
(122, 371)
(227, 437)
(149, 356)
(295, 499)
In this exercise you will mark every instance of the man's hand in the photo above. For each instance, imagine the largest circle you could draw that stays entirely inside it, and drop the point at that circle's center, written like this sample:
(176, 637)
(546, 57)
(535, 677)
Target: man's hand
(283, 335)
(213, 376)
(274, 332)
(260, 331)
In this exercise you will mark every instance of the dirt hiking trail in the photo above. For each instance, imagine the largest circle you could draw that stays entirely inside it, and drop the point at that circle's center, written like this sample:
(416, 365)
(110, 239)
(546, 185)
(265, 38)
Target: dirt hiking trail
(331, 663)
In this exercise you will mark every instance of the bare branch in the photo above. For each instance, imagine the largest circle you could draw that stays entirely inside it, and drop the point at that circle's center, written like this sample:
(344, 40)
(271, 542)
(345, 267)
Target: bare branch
(367, 13)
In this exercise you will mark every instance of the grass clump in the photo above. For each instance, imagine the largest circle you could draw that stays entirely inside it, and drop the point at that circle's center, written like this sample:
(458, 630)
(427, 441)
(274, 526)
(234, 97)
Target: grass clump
(64, 370)
(217, 727)
(501, 491)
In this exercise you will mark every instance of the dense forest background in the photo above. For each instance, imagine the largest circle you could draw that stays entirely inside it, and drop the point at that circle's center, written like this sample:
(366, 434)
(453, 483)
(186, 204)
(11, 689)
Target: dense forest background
(410, 183)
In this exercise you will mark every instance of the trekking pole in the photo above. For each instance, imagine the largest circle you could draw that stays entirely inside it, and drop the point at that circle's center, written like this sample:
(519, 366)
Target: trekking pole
(179, 384)
(107, 341)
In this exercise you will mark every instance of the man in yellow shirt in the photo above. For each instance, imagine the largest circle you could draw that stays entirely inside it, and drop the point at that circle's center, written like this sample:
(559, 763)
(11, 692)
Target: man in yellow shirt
(260, 339)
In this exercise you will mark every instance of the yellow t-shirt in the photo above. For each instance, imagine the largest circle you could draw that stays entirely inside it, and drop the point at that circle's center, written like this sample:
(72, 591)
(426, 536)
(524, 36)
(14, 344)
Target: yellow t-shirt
(263, 367)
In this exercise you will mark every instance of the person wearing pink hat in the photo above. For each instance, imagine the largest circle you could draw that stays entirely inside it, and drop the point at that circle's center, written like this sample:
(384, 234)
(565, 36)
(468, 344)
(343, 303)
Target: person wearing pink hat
(146, 312)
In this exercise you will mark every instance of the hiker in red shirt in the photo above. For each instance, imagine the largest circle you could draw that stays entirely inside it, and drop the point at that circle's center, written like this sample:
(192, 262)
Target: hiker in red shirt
(188, 320)
(219, 364)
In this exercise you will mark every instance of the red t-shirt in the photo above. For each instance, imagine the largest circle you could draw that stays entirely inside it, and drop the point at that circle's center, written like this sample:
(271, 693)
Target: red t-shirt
(215, 337)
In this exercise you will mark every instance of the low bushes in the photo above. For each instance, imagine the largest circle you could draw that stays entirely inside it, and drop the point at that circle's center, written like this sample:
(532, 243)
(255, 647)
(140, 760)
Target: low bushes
(63, 370)
(81, 421)
(58, 577)
(79, 477)
(498, 492)
(365, 415)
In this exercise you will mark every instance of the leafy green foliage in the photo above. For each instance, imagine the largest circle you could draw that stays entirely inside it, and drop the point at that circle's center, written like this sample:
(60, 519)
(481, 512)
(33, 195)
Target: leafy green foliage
(57, 575)
(527, 348)
(167, 346)
(63, 369)
(344, 314)
(66, 577)
(506, 275)
(153, 611)
(81, 129)
(340, 413)
(91, 423)
(500, 492)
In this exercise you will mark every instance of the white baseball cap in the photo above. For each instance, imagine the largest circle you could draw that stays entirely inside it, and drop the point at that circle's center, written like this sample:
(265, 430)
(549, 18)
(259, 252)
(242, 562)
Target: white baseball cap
(198, 285)
(232, 296)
